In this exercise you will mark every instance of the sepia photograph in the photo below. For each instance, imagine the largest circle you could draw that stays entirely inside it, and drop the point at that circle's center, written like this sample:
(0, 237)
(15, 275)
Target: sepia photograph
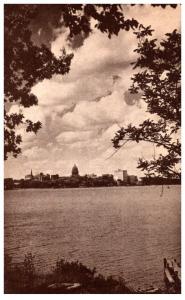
(92, 148)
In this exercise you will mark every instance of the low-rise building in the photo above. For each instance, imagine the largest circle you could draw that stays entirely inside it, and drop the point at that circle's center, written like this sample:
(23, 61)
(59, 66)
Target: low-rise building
(46, 177)
(54, 177)
(29, 176)
(121, 175)
(91, 176)
(125, 176)
(118, 174)
(132, 179)
(38, 177)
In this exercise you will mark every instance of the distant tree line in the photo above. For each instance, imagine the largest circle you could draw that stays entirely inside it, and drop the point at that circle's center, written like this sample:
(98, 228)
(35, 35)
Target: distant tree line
(64, 182)
(159, 180)
(85, 181)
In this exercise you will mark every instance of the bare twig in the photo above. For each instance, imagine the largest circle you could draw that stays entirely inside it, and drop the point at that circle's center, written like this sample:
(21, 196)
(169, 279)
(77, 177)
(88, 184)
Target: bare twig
(117, 150)
(154, 157)
(162, 189)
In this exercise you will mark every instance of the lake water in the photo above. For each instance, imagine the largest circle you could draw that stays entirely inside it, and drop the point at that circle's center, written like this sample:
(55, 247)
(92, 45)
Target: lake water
(124, 231)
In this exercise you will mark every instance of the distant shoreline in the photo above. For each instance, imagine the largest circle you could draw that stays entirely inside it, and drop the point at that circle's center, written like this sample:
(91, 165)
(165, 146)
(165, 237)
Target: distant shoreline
(91, 187)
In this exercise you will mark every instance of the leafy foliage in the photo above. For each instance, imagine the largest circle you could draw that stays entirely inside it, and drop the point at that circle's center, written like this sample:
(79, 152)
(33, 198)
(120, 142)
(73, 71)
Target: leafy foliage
(72, 271)
(19, 277)
(26, 63)
(159, 82)
(161, 5)
(22, 278)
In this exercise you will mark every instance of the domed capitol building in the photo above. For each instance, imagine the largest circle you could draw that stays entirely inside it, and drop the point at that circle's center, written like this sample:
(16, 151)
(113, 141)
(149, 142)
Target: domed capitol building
(74, 172)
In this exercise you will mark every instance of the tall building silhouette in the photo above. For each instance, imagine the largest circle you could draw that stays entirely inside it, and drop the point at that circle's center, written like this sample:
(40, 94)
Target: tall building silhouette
(75, 171)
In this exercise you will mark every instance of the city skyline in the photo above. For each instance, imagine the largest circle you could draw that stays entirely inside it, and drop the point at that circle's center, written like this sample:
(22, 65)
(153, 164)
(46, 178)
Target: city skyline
(39, 172)
(92, 148)
(81, 111)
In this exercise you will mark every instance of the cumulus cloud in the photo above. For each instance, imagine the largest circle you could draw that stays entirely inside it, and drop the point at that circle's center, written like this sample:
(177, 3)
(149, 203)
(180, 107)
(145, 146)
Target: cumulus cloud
(161, 20)
(81, 111)
(108, 110)
(34, 113)
(36, 153)
(65, 91)
(51, 92)
(131, 99)
(68, 137)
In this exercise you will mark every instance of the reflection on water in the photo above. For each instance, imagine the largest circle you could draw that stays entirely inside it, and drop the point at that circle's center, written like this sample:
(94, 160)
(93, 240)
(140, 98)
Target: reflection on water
(123, 231)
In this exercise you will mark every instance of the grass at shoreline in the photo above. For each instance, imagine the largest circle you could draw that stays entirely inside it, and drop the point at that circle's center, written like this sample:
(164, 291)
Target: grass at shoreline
(65, 278)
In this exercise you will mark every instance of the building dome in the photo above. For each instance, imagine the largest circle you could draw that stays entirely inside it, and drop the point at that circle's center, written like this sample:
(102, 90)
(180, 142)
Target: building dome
(75, 171)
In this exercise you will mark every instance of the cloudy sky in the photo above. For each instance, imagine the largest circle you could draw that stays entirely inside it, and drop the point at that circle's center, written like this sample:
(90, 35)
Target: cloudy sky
(81, 111)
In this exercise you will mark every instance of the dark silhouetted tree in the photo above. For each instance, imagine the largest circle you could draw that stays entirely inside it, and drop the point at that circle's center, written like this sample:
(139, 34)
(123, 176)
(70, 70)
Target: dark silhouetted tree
(27, 63)
(159, 81)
